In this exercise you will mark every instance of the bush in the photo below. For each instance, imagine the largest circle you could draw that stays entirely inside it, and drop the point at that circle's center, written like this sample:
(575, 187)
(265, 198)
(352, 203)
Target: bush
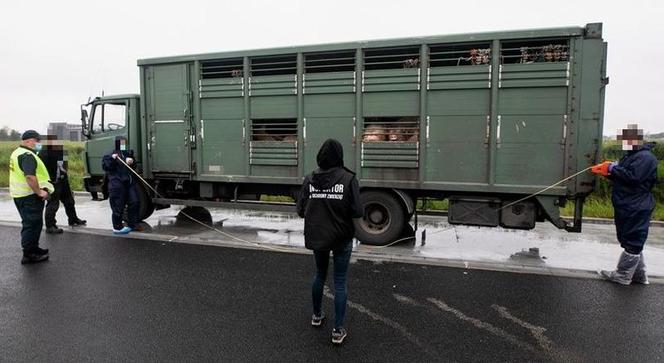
(612, 150)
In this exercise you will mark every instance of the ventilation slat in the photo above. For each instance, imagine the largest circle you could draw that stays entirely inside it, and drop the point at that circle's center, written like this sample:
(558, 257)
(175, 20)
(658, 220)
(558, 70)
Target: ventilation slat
(463, 54)
(392, 58)
(222, 68)
(338, 61)
(274, 129)
(535, 51)
(271, 66)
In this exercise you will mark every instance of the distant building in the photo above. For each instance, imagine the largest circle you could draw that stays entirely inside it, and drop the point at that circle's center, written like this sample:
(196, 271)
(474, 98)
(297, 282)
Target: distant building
(65, 131)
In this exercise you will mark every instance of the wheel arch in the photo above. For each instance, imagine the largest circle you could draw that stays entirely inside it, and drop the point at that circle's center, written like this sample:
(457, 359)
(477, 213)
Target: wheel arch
(405, 199)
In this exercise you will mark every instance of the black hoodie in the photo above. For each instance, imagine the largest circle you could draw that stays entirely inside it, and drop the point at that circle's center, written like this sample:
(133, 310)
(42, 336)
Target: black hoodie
(329, 200)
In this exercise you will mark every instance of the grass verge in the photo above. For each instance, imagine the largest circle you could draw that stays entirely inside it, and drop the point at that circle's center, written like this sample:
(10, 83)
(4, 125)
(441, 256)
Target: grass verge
(75, 160)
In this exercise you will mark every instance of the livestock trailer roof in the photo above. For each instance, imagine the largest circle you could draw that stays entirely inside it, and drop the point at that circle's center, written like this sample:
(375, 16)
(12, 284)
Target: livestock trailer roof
(454, 38)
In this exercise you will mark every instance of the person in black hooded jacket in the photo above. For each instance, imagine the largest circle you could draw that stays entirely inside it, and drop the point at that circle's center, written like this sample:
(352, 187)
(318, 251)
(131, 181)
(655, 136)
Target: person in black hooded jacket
(328, 202)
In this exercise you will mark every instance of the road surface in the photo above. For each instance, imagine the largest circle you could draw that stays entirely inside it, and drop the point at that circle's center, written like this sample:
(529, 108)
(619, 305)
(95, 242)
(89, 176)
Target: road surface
(108, 298)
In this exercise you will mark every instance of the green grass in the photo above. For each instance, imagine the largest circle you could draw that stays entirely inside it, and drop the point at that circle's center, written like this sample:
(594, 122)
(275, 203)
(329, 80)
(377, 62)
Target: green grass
(276, 198)
(432, 205)
(76, 166)
(602, 208)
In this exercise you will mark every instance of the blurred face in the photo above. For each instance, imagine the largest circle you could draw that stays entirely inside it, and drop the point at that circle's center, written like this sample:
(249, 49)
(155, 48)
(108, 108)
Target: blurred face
(53, 144)
(631, 138)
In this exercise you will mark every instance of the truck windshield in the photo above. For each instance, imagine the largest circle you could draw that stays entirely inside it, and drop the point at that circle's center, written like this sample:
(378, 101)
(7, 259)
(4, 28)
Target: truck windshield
(108, 117)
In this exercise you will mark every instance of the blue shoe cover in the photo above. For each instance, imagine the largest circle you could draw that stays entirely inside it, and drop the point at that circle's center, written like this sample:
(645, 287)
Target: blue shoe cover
(124, 230)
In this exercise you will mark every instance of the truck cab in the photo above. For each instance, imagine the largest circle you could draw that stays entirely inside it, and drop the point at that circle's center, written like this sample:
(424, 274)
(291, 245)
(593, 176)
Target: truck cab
(104, 119)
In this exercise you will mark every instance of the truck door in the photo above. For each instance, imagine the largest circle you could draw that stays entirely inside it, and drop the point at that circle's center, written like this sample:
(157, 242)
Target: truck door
(108, 120)
(169, 118)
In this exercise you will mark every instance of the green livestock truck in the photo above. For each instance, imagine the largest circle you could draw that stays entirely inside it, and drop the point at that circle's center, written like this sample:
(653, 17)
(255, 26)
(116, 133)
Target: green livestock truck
(481, 119)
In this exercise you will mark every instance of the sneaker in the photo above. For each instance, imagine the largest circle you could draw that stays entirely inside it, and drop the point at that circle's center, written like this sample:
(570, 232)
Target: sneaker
(32, 257)
(78, 222)
(124, 230)
(317, 320)
(338, 335)
(54, 230)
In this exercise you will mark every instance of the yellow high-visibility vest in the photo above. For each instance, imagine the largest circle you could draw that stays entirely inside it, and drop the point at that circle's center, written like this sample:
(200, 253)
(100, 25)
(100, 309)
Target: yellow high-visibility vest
(18, 185)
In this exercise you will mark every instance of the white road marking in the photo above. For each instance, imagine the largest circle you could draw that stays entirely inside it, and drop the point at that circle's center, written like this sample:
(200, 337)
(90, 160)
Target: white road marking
(483, 325)
(407, 300)
(536, 331)
(387, 321)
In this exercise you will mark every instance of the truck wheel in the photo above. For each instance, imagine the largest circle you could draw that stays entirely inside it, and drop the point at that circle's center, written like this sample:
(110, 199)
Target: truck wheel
(383, 219)
(145, 206)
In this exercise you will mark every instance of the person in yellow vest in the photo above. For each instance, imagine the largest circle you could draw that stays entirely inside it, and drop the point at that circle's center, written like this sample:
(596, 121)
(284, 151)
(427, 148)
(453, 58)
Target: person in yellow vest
(30, 187)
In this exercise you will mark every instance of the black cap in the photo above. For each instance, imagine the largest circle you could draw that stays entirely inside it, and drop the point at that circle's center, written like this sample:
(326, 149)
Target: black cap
(30, 134)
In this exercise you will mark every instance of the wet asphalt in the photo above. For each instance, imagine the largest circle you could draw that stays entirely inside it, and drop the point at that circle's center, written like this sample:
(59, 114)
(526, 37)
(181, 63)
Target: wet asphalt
(120, 299)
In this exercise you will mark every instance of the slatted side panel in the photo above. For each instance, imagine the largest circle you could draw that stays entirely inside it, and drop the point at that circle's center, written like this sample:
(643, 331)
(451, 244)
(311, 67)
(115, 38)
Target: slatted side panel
(391, 80)
(273, 85)
(220, 78)
(535, 75)
(221, 87)
(390, 154)
(332, 82)
(462, 77)
(282, 153)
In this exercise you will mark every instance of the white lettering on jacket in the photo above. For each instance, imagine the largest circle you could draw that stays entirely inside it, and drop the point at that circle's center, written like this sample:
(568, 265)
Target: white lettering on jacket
(335, 192)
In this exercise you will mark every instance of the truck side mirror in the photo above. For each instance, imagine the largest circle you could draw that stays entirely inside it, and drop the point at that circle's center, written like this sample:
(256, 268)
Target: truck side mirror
(84, 122)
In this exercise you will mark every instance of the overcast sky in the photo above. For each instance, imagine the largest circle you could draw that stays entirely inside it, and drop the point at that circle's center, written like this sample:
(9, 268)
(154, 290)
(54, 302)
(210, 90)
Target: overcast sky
(55, 54)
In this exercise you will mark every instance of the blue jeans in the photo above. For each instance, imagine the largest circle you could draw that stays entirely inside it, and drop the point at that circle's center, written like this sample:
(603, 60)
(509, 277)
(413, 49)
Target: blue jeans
(341, 259)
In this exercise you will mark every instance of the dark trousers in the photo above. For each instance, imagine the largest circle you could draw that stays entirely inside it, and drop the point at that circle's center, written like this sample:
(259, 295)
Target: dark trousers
(341, 259)
(632, 228)
(62, 194)
(120, 196)
(31, 209)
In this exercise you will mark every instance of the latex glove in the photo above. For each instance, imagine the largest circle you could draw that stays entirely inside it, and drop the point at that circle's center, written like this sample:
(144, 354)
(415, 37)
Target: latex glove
(612, 165)
(601, 168)
(129, 161)
(114, 156)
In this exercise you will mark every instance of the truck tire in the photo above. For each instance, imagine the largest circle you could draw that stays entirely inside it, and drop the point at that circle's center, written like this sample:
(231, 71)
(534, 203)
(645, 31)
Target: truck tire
(145, 206)
(383, 219)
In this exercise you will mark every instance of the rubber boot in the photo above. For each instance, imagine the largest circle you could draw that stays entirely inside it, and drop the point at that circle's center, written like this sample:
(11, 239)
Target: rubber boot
(624, 271)
(640, 276)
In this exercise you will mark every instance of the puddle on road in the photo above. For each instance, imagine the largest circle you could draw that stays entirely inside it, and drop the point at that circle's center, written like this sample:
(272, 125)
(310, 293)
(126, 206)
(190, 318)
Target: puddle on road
(593, 249)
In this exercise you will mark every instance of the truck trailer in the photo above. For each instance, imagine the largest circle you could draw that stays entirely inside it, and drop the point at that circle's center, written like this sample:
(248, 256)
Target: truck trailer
(482, 120)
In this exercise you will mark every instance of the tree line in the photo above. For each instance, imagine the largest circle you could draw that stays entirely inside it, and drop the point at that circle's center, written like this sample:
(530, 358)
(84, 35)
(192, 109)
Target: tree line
(7, 134)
